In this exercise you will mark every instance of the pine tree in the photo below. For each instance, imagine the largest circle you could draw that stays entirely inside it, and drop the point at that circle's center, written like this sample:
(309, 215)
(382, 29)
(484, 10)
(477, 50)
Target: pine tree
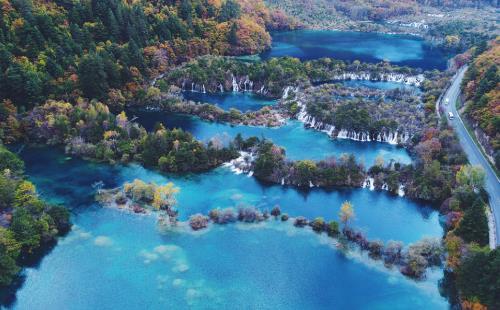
(93, 77)
(474, 225)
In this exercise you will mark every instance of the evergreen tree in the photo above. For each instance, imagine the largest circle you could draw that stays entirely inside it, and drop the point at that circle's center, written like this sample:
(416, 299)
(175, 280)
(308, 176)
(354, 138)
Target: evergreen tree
(233, 35)
(113, 29)
(474, 225)
(93, 77)
(229, 10)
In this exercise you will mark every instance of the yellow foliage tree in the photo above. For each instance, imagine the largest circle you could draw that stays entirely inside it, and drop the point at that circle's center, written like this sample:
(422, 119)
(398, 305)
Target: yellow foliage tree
(164, 196)
(346, 212)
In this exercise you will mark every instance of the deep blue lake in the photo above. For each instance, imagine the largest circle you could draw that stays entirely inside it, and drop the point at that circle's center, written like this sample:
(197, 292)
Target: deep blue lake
(114, 260)
(299, 142)
(402, 50)
(243, 101)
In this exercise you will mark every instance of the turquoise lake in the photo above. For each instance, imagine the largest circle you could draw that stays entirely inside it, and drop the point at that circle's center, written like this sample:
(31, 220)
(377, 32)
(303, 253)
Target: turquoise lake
(116, 260)
(112, 259)
(299, 142)
(402, 50)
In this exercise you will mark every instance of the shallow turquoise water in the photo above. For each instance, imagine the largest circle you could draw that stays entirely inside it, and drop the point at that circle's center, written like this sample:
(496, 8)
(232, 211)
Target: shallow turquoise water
(379, 214)
(299, 142)
(243, 101)
(366, 47)
(114, 260)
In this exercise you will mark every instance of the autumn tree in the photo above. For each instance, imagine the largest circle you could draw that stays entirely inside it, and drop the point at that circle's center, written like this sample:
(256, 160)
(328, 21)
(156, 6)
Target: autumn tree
(472, 177)
(346, 212)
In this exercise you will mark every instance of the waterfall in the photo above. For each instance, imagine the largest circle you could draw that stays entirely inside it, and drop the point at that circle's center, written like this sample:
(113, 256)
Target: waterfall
(311, 184)
(183, 85)
(329, 129)
(221, 88)
(401, 190)
(369, 183)
(235, 85)
(282, 181)
(285, 91)
(192, 87)
(249, 83)
(242, 164)
(394, 139)
(204, 89)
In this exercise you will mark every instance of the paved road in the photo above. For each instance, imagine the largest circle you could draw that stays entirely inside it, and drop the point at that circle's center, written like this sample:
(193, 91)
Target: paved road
(472, 150)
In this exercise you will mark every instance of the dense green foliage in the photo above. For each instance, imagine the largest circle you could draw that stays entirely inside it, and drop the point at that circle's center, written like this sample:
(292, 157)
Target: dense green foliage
(108, 49)
(273, 75)
(458, 35)
(477, 277)
(474, 225)
(364, 110)
(271, 166)
(92, 131)
(27, 223)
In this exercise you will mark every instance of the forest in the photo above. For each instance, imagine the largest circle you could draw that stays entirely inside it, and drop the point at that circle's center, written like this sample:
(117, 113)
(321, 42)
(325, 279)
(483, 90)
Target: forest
(481, 87)
(108, 49)
(69, 67)
(28, 224)
(271, 77)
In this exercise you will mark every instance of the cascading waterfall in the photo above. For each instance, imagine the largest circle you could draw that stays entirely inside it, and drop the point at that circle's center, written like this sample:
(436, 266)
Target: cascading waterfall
(310, 121)
(204, 91)
(352, 135)
(401, 190)
(236, 88)
(247, 84)
(221, 88)
(369, 183)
